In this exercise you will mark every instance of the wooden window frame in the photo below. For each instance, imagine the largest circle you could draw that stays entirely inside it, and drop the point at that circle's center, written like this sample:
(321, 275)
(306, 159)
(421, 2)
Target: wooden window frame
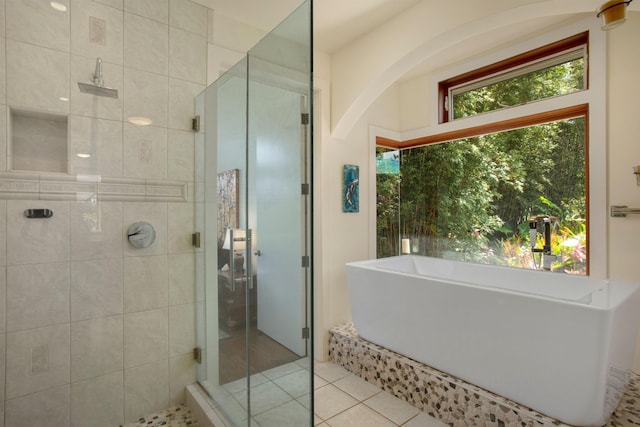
(521, 60)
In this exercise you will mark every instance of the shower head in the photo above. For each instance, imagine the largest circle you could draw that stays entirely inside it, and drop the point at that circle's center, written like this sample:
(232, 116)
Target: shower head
(98, 88)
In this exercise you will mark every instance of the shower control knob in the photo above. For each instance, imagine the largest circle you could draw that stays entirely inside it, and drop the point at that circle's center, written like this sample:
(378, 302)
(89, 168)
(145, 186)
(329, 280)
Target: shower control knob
(141, 234)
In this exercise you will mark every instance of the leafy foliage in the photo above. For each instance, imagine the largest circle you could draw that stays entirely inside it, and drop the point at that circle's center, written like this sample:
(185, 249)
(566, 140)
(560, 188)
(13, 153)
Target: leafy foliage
(471, 199)
(546, 83)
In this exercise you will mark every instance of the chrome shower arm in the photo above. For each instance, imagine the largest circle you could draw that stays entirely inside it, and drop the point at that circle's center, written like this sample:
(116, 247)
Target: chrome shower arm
(97, 77)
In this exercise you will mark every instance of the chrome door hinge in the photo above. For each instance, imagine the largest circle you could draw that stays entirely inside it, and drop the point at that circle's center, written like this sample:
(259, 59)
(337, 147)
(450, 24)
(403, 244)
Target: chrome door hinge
(195, 124)
(305, 261)
(305, 333)
(306, 189)
(195, 239)
(304, 118)
(197, 355)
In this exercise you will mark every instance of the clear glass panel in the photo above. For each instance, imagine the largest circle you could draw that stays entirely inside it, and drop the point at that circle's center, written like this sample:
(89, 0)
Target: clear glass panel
(256, 290)
(499, 199)
(221, 313)
(279, 165)
(556, 76)
(387, 202)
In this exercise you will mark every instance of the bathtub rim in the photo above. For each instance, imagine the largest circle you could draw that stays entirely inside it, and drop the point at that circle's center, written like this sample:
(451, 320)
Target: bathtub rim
(608, 303)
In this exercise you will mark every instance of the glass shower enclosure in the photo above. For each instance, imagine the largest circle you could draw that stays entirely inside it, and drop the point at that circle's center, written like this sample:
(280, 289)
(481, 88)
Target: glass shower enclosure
(253, 268)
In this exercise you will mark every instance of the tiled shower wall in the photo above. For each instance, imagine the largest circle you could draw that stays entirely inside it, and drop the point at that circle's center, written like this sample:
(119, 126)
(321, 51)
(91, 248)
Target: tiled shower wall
(92, 331)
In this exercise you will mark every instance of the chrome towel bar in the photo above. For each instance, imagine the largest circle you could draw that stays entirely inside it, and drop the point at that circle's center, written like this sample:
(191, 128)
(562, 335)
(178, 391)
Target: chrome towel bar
(618, 211)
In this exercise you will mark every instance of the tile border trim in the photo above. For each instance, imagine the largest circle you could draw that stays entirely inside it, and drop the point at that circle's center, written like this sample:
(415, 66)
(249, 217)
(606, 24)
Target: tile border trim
(16, 185)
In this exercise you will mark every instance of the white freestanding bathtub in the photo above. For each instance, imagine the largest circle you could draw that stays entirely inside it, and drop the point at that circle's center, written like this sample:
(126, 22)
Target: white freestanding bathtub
(562, 345)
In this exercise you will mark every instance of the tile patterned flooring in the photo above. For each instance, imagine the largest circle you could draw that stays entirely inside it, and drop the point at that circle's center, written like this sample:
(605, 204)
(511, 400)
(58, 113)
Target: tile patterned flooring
(341, 400)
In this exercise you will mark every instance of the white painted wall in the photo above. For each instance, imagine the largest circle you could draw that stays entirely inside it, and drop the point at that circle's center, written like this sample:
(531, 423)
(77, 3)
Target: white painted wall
(344, 237)
(624, 150)
(365, 68)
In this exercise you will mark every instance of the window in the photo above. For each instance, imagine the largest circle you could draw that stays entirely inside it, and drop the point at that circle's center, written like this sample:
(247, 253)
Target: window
(486, 193)
(552, 70)
(472, 199)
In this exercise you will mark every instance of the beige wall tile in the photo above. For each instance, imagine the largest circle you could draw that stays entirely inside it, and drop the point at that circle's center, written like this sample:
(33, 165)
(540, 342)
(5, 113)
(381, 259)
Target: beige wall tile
(96, 288)
(113, 3)
(3, 125)
(181, 226)
(182, 331)
(3, 348)
(181, 103)
(180, 156)
(37, 77)
(146, 389)
(104, 40)
(46, 364)
(189, 16)
(98, 401)
(102, 140)
(187, 56)
(199, 160)
(200, 273)
(3, 73)
(210, 15)
(181, 278)
(85, 104)
(3, 301)
(36, 22)
(146, 283)
(182, 372)
(2, 22)
(34, 241)
(37, 295)
(3, 229)
(146, 337)
(145, 152)
(154, 9)
(146, 44)
(145, 94)
(96, 230)
(96, 347)
(44, 409)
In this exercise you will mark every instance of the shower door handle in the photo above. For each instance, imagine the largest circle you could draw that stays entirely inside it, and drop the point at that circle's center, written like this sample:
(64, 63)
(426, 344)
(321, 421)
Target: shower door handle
(258, 252)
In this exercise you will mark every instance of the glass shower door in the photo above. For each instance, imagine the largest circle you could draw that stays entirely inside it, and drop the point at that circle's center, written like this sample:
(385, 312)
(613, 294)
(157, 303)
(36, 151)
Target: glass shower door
(222, 284)
(280, 218)
(253, 271)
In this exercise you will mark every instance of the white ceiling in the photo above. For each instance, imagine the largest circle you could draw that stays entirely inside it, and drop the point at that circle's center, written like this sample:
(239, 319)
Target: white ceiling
(336, 22)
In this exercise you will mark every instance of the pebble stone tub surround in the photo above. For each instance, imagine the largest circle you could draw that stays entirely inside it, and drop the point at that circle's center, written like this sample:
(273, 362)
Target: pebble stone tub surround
(445, 397)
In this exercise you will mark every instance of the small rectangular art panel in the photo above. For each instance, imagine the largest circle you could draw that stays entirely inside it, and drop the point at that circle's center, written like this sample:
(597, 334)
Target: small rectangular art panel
(228, 209)
(351, 189)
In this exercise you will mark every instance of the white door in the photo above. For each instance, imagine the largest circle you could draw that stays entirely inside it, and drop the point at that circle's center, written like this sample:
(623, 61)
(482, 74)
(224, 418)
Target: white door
(278, 235)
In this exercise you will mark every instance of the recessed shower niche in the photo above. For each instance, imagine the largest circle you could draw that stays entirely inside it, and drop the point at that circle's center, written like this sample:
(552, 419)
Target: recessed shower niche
(38, 142)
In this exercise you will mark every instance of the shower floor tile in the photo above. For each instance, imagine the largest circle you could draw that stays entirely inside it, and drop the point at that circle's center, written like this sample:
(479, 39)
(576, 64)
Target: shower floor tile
(176, 416)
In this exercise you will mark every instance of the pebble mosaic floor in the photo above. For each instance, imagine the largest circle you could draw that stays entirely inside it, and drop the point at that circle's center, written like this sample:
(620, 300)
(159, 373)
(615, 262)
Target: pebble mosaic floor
(176, 416)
